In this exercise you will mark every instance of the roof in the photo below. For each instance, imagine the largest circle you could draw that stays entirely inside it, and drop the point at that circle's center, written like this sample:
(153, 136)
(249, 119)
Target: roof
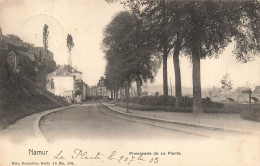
(64, 70)
(71, 69)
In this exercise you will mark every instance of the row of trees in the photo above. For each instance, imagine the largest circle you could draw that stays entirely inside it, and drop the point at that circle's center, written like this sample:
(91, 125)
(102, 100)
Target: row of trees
(129, 53)
(197, 29)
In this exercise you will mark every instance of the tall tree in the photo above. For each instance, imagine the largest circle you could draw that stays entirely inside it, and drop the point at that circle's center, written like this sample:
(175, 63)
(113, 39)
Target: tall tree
(45, 46)
(129, 51)
(45, 37)
(210, 26)
(207, 27)
(126, 37)
(158, 18)
(70, 45)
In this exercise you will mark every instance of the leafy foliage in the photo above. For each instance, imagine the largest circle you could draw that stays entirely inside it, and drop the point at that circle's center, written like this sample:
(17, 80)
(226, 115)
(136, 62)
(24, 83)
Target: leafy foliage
(70, 43)
(45, 37)
(205, 28)
(129, 51)
(169, 101)
(226, 83)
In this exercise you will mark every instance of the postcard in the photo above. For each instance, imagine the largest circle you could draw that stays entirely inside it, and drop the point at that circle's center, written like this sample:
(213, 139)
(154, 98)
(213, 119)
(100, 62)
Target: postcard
(129, 82)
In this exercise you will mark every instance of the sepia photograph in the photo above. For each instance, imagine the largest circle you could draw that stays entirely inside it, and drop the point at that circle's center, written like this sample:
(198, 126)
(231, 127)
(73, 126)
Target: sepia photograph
(129, 82)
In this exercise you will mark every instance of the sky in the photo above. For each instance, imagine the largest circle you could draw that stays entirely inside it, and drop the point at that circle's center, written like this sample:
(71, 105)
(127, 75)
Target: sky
(85, 20)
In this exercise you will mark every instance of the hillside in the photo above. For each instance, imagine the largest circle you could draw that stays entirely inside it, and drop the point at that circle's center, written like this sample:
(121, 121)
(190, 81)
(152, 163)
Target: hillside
(22, 80)
(20, 97)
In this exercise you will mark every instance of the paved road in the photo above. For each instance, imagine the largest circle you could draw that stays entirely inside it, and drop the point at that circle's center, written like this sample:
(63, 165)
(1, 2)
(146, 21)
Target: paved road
(94, 121)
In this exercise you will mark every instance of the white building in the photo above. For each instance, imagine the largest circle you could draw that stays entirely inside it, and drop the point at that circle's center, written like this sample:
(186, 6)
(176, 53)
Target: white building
(62, 82)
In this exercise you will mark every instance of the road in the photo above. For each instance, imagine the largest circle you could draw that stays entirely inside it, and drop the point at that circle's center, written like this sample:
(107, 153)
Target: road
(94, 121)
(93, 128)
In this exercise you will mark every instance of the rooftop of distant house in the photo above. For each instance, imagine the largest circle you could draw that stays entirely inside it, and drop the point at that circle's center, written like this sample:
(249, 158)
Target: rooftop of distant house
(64, 70)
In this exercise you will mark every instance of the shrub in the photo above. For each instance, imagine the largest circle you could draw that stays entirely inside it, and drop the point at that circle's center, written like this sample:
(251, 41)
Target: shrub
(251, 114)
(208, 103)
(151, 100)
(186, 101)
(169, 101)
(153, 108)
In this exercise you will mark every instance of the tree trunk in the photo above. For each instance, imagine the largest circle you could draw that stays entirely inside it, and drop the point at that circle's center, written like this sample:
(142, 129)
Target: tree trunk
(197, 104)
(126, 90)
(138, 88)
(178, 91)
(117, 91)
(69, 60)
(121, 93)
(165, 53)
(111, 91)
(165, 79)
(127, 96)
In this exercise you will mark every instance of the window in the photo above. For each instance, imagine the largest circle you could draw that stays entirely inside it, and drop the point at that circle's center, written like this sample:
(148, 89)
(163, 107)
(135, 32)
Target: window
(52, 83)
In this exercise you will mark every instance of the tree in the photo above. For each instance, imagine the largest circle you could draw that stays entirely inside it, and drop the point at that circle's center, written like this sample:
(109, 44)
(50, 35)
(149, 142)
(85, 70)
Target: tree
(45, 37)
(226, 84)
(158, 19)
(70, 45)
(127, 42)
(210, 26)
(129, 52)
(207, 27)
(45, 46)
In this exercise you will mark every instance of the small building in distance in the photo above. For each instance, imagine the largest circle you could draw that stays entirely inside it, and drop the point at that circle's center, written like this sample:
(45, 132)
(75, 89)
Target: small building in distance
(256, 94)
(66, 82)
(257, 90)
(239, 95)
(102, 91)
(92, 92)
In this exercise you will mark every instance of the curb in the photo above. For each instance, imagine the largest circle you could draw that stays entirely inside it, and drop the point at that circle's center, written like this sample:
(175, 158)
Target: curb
(181, 123)
(36, 123)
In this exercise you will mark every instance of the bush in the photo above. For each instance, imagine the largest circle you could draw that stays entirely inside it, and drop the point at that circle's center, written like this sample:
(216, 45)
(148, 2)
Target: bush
(153, 108)
(151, 100)
(169, 101)
(253, 114)
(208, 103)
(186, 101)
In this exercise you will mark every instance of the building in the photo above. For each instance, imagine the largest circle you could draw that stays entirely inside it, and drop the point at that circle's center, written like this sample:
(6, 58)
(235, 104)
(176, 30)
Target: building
(92, 91)
(102, 91)
(257, 90)
(66, 82)
(256, 94)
